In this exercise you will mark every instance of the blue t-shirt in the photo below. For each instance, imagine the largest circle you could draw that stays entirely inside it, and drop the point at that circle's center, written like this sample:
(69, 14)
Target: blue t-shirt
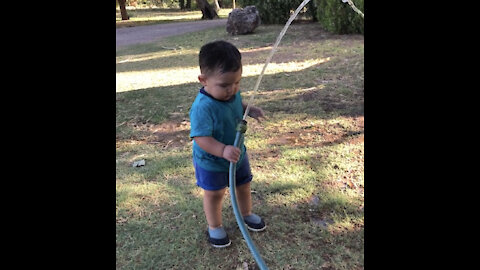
(217, 119)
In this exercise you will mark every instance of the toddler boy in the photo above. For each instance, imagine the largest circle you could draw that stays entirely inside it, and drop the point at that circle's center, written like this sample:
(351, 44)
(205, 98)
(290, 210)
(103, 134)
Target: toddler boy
(214, 116)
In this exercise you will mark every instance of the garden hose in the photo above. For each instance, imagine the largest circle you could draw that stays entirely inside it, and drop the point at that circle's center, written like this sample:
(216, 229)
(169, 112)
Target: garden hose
(241, 129)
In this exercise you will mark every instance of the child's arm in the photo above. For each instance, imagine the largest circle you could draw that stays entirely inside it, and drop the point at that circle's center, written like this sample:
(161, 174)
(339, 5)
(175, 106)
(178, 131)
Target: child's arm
(216, 148)
(254, 112)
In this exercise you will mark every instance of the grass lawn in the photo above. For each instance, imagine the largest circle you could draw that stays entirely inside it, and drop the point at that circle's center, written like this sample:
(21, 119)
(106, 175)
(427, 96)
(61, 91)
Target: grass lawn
(307, 157)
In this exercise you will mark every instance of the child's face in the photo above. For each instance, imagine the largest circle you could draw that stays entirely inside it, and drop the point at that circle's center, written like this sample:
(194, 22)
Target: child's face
(222, 86)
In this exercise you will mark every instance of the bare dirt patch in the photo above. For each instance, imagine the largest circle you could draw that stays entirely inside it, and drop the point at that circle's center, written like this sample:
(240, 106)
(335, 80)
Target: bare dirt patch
(322, 135)
(169, 134)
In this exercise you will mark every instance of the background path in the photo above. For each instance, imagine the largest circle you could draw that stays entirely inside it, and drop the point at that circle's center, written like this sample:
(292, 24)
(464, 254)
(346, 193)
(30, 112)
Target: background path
(149, 33)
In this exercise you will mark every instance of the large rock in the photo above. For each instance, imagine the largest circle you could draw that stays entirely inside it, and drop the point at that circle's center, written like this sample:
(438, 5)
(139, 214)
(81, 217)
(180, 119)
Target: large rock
(243, 20)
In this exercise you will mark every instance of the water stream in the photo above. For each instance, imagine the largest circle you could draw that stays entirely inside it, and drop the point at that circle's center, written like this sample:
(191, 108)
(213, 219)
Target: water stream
(272, 52)
(239, 137)
(279, 38)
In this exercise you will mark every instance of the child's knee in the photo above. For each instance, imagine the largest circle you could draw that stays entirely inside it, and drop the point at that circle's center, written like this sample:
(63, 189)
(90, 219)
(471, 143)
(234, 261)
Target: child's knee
(214, 194)
(244, 187)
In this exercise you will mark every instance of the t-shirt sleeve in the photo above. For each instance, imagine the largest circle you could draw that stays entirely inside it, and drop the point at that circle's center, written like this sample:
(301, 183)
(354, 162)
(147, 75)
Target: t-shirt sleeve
(201, 122)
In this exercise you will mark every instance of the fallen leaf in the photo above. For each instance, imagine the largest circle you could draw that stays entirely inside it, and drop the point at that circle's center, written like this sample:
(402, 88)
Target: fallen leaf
(351, 184)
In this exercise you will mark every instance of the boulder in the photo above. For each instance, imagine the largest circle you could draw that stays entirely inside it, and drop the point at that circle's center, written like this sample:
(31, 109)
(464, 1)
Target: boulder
(243, 20)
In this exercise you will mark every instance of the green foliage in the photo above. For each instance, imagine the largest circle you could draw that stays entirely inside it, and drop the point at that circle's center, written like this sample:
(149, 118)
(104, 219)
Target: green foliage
(272, 11)
(338, 17)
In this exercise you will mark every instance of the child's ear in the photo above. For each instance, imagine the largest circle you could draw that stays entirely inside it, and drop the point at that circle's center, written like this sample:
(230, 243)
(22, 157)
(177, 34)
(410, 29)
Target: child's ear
(203, 79)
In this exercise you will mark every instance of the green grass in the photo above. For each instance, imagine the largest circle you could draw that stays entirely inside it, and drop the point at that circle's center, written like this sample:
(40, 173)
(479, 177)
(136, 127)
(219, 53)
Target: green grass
(306, 157)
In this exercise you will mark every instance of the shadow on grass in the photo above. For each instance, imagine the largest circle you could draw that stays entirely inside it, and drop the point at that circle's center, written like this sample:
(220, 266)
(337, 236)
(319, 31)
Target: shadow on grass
(160, 62)
(306, 233)
(177, 59)
(251, 55)
(321, 99)
(173, 235)
(263, 36)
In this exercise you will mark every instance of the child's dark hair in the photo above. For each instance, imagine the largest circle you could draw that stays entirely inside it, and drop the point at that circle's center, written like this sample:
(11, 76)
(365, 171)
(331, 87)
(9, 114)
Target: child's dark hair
(219, 56)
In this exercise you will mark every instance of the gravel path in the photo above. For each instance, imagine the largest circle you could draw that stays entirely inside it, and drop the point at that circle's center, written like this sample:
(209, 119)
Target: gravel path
(149, 33)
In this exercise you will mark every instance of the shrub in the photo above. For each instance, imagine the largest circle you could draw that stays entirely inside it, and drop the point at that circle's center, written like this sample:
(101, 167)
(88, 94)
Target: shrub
(334, 15)
(272, 11)
(338, 17)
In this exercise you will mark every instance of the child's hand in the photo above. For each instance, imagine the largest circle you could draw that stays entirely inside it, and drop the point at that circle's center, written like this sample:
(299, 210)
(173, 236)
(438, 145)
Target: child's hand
(231, 153)
(256, 113)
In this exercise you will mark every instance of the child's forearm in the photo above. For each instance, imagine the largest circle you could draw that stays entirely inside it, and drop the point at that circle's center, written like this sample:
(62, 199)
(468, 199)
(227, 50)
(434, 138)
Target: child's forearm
(210, 145)
(216, 148)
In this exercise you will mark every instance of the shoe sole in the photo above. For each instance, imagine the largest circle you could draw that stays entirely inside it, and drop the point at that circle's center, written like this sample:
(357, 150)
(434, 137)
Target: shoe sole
(218, 245)
(221, 246)
(256, 230)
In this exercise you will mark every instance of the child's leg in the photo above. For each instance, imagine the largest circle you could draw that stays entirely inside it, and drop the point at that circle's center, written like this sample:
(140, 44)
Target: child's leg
(212, 206)
(244, 199)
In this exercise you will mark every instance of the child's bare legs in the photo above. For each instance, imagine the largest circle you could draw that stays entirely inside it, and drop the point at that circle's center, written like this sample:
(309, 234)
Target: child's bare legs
(244, 198)
(212, 206)
(213, 199)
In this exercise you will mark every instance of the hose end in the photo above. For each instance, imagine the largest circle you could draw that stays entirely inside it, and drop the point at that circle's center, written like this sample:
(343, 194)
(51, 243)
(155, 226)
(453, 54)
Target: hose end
(242, 126)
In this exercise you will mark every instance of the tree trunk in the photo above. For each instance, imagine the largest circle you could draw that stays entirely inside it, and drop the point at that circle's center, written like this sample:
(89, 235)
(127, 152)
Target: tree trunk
(181, 3)
(188, 5)
(217, 6)
(233, 4)
(123, 9)
(208, 12)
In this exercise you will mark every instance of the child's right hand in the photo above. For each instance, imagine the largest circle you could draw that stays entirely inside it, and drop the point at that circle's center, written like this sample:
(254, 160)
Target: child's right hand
(231, 153)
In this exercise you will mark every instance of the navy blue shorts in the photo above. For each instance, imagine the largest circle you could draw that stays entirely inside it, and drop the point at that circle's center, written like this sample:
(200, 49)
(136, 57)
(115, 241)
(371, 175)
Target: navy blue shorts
(218, 180)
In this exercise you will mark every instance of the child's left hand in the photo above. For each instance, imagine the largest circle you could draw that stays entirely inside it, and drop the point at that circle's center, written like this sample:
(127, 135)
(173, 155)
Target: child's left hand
(256, 113)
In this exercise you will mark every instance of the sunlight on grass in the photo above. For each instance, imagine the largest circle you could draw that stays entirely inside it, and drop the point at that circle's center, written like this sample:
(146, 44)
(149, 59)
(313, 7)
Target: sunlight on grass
(131, 196)
(268, 48)
(306, 157)
(153, 56)
(273, 68)
(134, 80)
(268, 95)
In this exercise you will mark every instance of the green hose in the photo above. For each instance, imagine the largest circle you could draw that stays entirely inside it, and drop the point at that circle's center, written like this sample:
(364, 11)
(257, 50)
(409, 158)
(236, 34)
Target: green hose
(241, 129)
